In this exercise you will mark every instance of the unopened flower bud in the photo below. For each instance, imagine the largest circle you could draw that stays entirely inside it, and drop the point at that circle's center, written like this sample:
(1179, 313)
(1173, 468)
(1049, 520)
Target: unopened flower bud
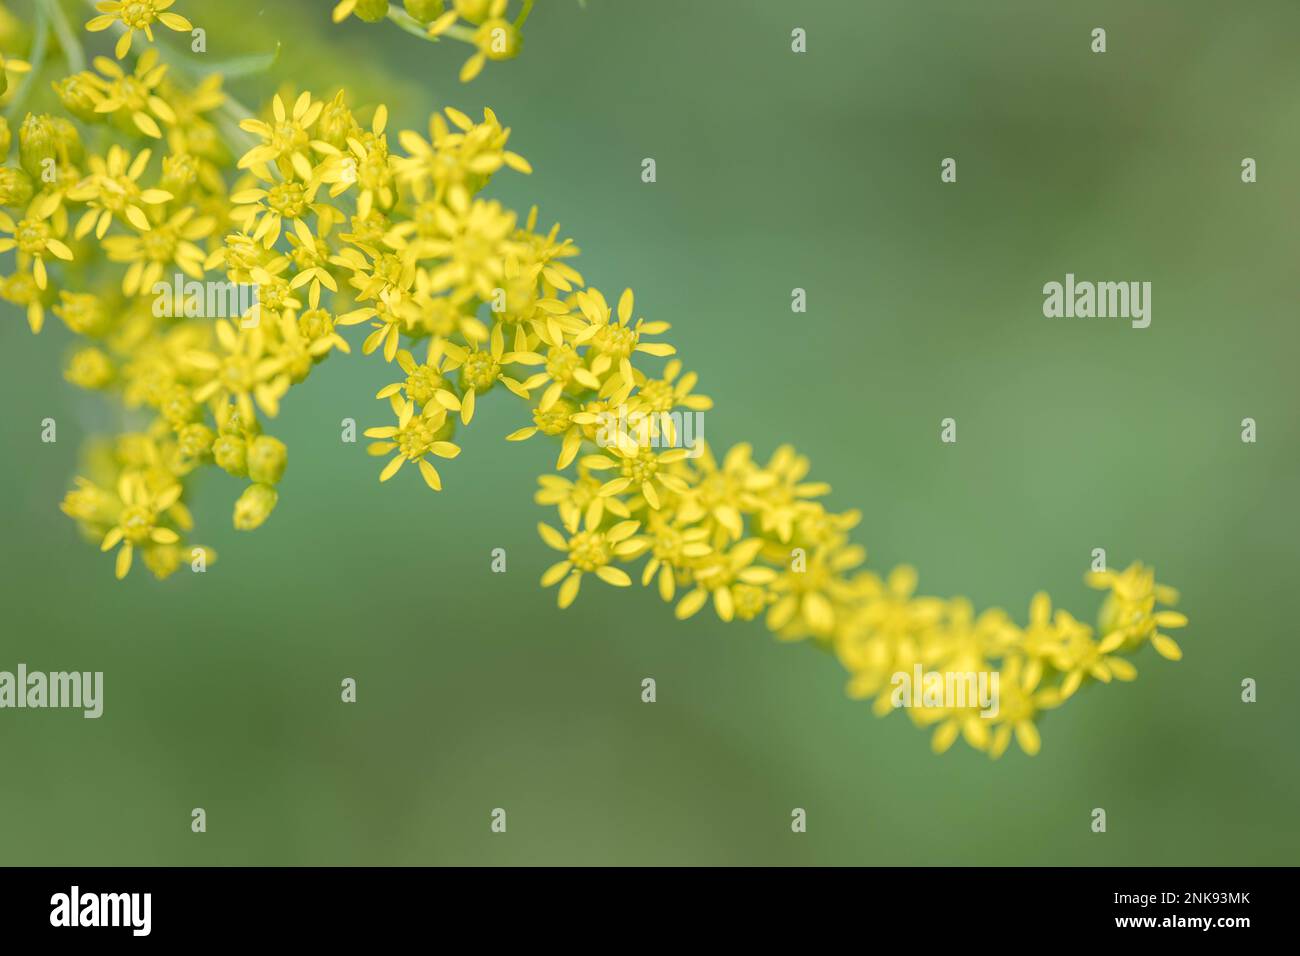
(254, 507)
(498, 39)
(195, 440)
(15, 187)
(36, 144)
(267, 458)
(89, 368)
(475, 11)
(425, 10)
(231, 454)
(372, 11)
(77, 94)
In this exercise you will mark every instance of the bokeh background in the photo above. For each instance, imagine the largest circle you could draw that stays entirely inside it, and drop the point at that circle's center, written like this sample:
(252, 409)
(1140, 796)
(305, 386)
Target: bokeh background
(775, 170)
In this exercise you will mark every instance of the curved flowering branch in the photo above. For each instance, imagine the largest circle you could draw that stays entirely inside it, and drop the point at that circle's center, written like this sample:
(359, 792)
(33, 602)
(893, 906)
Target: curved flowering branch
(480, 23)
(333, 223)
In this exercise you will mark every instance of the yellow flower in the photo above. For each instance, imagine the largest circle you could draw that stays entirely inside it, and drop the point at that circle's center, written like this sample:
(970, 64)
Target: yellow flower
(615, 342)
(390, 318)
(561, 418)
(578, 498)
(262, 212)
(135, 96)
(316, 326)
(1129, 616)
(111, 189)
(496, 39)
(881, 631)
(425, 384)
(480, 369)
(242, 372)
(459, 159)
(287, 138)
(171, 242)
(641, 469)
(472, 244)
(367, 166)
(414, 438)
(778, 492)
(809, 589)
(136, 15)
(1019, 703)
(137, 523)
(37, 237)
(590, 550)
(738, 585)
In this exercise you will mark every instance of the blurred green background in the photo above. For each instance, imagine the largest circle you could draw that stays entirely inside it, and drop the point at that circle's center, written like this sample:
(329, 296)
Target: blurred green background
(775, 170)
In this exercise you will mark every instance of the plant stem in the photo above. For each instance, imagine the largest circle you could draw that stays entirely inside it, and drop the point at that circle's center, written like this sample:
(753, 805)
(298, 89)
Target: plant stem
(409, 23)
(72, 51)
(39, 46)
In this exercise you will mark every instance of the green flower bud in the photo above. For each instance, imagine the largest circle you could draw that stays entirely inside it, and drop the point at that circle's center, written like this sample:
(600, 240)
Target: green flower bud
(195, 440)
(425, 11)
(267, 458)
(372, 11)
(336, 123)
(89, 368)
(36, 143)
(178, 405)
(6, 139)
(180, 171)
(498, 39)
(229, 423)
(475, 11)
(15, 187)
(77, 94)
(254, 507)
(231, 455)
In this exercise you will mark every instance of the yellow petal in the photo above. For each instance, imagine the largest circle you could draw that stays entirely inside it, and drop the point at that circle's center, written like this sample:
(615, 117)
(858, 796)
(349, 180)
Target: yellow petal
(1166, 646)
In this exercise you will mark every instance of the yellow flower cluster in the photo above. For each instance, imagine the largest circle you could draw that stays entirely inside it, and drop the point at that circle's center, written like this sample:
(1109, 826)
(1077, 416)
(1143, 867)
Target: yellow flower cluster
(336, 223)
(480, 23)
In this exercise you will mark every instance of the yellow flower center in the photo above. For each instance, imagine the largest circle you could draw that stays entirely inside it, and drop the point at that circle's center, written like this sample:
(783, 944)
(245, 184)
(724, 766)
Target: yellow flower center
(237, 374)
(555, 420)
(749, 601)
(315, 324)
(288, 137)
(422, 383)
(414, 440)
(657, 395)
(136, 523)
(138, 14)
(561, 363)
(31, 236)
(159, 244)
(287, 199)
(642, 467)
(616, 341)
(480, 371)
(587, 550)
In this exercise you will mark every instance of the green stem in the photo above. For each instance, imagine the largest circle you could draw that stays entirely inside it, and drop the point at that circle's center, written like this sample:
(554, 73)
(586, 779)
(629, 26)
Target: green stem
(523, 14)
(409, 23)
(459, 32)
(39, 46)
(72, 51)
